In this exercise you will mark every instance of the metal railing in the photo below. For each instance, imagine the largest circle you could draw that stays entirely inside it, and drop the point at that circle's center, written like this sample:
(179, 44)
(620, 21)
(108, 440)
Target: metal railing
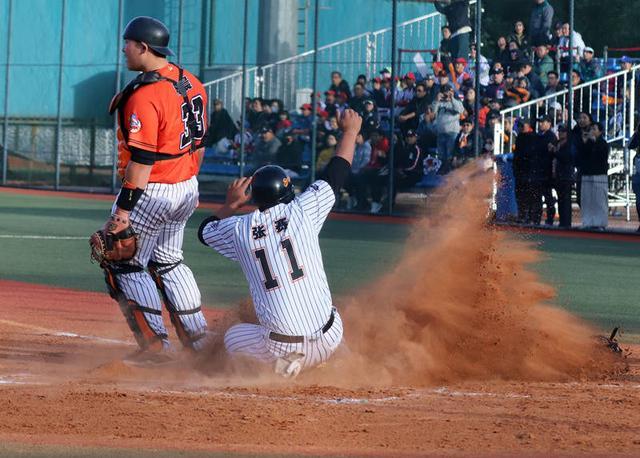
(366, 53)
(611, 100)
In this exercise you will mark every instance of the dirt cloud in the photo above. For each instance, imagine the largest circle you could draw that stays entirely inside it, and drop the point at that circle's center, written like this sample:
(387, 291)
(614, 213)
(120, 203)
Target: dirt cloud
(461, 304)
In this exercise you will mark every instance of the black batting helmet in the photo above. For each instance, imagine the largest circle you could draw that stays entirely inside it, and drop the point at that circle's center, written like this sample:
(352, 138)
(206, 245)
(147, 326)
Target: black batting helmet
(150, 31)
(271, 186)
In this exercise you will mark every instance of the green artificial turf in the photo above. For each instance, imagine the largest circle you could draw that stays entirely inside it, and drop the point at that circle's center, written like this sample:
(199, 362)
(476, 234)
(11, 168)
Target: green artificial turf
(595, 278)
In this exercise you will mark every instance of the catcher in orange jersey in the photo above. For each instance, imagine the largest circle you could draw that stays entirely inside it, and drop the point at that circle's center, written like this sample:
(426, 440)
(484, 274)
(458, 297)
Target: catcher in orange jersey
(161, 119)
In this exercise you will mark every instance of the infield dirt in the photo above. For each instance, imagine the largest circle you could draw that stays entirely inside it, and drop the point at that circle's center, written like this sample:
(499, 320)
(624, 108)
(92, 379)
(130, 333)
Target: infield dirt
(454, 351)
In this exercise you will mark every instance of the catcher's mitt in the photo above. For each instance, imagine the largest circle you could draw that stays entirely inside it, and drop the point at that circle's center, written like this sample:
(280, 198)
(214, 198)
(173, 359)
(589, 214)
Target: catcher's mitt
(109, 247)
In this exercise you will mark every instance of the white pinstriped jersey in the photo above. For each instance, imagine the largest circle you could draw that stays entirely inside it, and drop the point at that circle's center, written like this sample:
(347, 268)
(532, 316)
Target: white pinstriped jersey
(279, 253)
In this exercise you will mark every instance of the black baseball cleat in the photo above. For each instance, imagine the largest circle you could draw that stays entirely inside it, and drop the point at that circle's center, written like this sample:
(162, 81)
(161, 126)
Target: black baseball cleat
(611, 342)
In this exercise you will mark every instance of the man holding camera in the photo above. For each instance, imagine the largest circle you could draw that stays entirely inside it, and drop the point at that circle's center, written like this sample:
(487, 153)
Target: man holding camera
(448, 110)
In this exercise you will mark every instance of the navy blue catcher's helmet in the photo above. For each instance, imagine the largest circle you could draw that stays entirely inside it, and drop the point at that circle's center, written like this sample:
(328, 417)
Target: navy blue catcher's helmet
(150, 31)
(271, 186)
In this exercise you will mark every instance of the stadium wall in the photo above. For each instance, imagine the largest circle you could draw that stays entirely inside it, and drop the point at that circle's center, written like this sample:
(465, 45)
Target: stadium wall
(210, 45)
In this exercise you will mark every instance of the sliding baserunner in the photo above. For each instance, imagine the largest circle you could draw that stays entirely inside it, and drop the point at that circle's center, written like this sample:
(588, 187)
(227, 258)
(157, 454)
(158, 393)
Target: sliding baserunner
(278, 249)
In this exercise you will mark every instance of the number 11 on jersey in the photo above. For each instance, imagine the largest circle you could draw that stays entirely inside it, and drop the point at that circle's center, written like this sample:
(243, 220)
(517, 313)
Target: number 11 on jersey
(270, 282)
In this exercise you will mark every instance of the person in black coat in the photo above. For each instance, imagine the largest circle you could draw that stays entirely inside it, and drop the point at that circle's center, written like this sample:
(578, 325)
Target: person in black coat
(220, 125)
(339, 85)
(526, 191)
(457, 14)
(410, 115)
(564, 174)
(543, 168)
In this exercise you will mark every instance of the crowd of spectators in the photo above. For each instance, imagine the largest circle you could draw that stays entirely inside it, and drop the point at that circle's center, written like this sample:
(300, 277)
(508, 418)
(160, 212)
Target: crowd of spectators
(434, 115)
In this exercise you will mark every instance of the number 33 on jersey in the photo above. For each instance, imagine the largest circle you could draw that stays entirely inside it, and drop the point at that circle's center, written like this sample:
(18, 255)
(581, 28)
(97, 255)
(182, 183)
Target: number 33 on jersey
(156, 118)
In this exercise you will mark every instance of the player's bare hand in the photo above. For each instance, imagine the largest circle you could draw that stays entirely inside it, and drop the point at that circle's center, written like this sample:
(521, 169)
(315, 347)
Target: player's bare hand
(350, 121)
(237, 194)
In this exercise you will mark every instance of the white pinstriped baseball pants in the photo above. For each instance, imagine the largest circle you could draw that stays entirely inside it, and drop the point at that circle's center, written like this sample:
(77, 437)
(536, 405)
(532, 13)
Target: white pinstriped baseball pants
(159, 218)
(253, 341)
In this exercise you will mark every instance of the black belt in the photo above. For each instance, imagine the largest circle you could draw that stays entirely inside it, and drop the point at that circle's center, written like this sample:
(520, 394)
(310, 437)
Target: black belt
(300, 339)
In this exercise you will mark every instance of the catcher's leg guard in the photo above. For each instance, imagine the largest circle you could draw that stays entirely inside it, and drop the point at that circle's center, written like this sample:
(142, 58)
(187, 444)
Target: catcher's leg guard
(134, 313)
(187, 317)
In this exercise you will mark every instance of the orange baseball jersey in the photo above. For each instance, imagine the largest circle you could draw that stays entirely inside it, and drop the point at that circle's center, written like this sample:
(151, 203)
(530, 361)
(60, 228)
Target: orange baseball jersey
(155, 117)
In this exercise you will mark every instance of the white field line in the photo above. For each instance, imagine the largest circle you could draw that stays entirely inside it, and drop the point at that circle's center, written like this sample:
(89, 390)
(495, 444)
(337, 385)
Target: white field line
(43, 237)
(18, 379)
(50, 332)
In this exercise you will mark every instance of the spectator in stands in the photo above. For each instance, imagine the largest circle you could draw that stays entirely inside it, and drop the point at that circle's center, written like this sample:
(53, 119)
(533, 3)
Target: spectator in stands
(589, 68)
(427, 136)
(553, 83)
(221, 125)
(484, 67)
(342, 102)
(329, 127)
(408, 169)
(535, 86)
(290, 155)
(410, 115)
(356, 103)
(519, 37)
(443, 80)
(593, 161)
(540, 23)
(460, 77)
(517, 92)
(564, 43)
(445, 45)
(256, 117)
(457, 14)
(528, 191)
(469, 103)
(634, 144)
(542, 64)
(284, 124)
(380, 93)
(362, 79)
(303, 123)
(581, 97)
(496, 88)
(370, 118)
(370, 177)
(330, 103)
(563, 174)
(515, 57)
(266, 148)
(338, 85)
(502, 52)
(361, 157)
(464, 149)
(543, 168)
(326, 152)
(448, 110)
(493, 117)
(626, 63)
(387, 87)
(430, 88)
(555, 41)
(408, 92)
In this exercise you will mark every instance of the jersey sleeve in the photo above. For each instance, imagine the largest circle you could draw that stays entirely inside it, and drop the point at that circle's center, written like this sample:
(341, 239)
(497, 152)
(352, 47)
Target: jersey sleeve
(141, 121)
(316, 202)
(220, 235)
